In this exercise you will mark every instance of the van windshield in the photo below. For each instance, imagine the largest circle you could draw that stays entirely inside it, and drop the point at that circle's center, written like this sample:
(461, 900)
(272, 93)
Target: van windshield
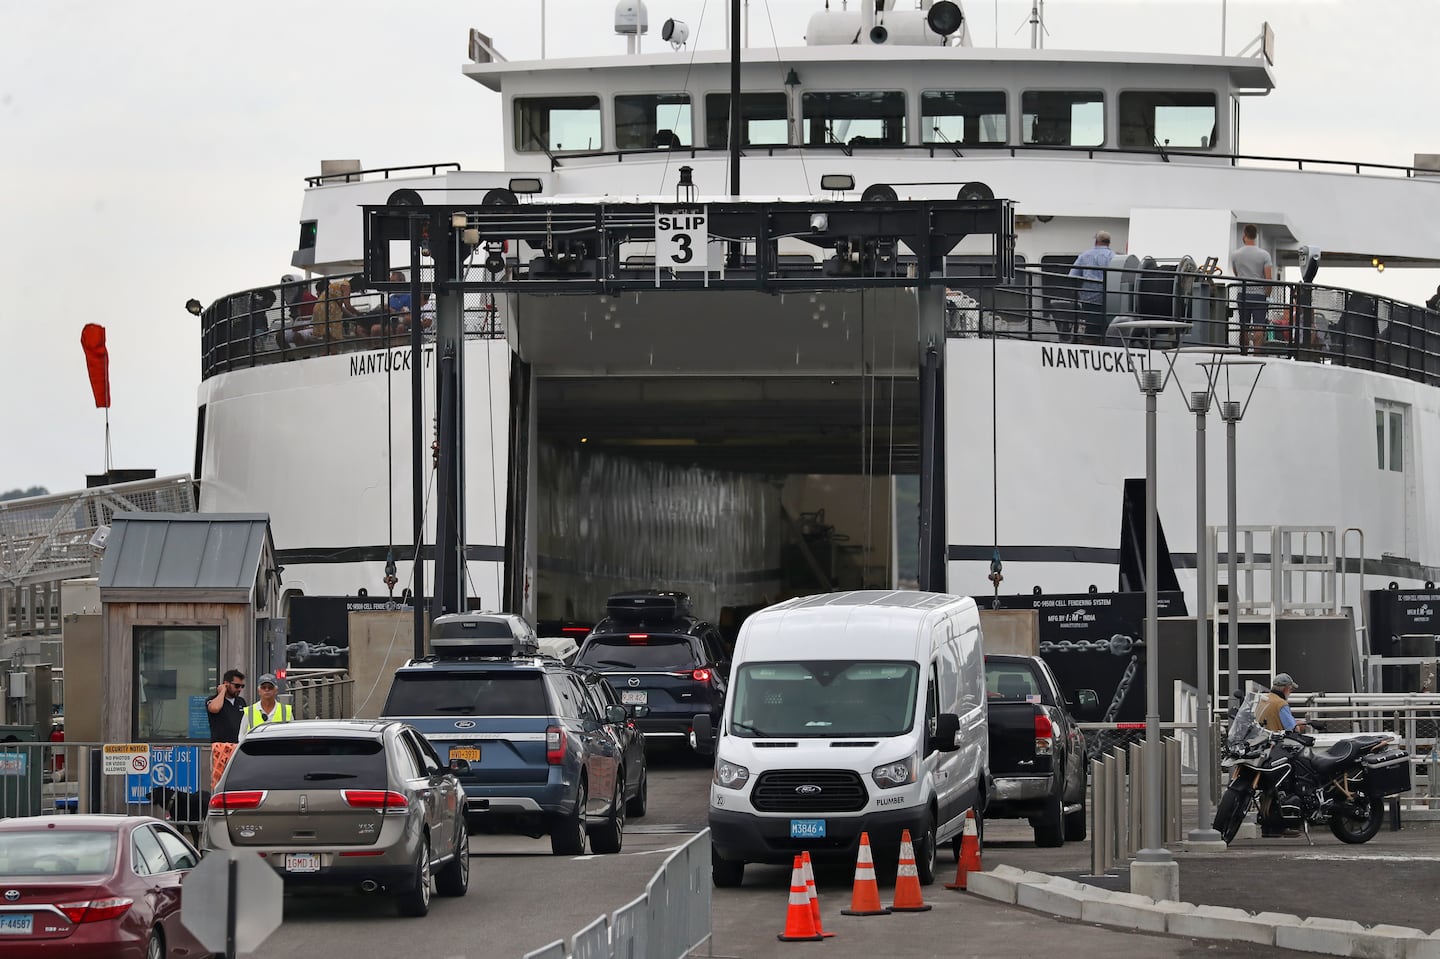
(823, 698)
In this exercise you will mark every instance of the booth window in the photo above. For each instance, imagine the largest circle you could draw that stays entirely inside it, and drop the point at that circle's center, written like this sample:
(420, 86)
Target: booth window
(963, 116)
(557, 124)
(866, 118)
(1074, 118)
(172, 664)
(764, 119)
(652, 121)
(1168, 118)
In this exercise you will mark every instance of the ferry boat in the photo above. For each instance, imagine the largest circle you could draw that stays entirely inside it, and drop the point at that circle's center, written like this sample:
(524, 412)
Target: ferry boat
(844, 353)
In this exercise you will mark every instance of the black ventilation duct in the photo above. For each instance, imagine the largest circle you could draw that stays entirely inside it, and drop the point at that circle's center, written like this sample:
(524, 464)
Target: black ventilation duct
(405, 197)
(500, 196)
(975, 191)
(879, 193)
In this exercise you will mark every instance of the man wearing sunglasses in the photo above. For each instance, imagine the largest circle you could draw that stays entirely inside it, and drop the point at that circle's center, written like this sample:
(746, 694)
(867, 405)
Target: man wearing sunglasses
(227, 713)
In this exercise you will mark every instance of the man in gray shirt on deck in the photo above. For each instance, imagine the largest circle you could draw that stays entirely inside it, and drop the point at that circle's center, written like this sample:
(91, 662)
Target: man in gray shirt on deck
(1090, 269)
(1251, 263)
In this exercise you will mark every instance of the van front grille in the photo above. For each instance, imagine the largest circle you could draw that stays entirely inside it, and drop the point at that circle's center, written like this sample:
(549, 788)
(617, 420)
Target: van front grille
(809, 790)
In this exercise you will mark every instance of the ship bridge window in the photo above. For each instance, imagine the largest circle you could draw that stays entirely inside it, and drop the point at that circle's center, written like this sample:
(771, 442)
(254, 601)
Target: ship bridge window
(1185, 120)
(856, 119)
(557, 124)
(1073, 118)
(962, 116)
(765, 119)
(649, 121)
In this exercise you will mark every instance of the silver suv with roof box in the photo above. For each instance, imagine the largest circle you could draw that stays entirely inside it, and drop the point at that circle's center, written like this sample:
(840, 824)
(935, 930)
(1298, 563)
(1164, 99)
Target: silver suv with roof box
(358, 804)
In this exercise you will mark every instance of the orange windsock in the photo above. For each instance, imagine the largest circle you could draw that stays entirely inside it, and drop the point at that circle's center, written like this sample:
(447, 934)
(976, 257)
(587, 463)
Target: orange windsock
(97, 362)
(799, 921)
(907, 880)
(865, 896)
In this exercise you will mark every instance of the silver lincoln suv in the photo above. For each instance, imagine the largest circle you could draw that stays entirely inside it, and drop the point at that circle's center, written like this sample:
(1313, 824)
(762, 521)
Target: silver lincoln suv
(352, 804)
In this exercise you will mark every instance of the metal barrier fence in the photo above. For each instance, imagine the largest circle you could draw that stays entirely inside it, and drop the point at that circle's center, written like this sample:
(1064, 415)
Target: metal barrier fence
(670, 921)
(47, 778)
(1117, 801)
(321, 693)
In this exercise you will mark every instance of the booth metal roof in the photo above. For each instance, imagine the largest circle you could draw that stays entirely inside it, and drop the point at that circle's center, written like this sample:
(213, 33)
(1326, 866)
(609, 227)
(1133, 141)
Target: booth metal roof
(184, 550)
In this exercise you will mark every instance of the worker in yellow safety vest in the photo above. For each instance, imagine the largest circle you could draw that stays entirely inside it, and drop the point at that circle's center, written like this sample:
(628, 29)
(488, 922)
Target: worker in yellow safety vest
(267, 710)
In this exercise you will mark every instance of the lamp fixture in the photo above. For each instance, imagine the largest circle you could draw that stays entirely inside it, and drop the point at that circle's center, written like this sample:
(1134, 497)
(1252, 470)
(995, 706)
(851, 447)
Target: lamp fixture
(792, 79)
(194, 307)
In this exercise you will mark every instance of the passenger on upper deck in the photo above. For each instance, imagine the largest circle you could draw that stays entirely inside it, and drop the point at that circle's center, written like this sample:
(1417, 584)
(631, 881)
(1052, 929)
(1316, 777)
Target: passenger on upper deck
(1433, 304)
(1090, 268)
(301, 330)
(332, 310)
(1251, 263)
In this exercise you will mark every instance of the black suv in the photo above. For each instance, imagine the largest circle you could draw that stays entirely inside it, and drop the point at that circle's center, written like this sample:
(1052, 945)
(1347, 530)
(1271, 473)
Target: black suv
(658, 655)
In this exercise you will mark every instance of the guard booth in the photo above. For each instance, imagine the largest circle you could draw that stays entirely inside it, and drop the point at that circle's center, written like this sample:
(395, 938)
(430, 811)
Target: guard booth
(184, 597)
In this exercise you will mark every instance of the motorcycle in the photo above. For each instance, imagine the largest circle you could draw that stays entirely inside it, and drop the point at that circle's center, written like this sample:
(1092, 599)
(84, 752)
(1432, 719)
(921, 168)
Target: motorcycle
(1344, 786)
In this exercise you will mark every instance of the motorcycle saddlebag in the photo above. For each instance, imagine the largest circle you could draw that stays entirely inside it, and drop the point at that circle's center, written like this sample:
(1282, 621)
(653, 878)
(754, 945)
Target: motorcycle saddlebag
(1387, 773)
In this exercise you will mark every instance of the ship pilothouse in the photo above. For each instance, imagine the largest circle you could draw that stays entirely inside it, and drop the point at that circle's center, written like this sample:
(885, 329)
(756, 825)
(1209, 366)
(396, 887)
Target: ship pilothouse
(836, 374)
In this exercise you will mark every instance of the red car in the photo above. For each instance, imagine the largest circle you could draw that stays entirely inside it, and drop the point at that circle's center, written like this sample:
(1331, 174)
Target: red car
(101, 886)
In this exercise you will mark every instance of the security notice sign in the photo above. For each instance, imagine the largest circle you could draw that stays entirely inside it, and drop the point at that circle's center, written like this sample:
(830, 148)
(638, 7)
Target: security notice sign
(682, 239)
(122, 759)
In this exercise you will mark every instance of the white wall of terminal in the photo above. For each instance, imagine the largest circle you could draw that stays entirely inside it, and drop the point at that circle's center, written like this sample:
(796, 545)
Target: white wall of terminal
(1070, 425)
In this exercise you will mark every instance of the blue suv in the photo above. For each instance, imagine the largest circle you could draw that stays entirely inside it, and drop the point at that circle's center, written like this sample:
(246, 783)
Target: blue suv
(543, 754)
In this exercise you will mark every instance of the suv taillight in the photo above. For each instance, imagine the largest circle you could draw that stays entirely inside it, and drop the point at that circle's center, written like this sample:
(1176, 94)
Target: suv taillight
(701, 675)
(382, 799)
(239, 799)
(1044, 735)
(554, 745)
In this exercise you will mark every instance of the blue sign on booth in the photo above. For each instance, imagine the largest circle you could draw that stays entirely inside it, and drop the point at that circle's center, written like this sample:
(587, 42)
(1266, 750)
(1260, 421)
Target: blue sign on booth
(199, 718)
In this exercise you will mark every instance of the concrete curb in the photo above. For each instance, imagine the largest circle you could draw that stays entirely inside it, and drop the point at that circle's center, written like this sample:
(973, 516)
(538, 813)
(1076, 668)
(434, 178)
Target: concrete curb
(1077, 900)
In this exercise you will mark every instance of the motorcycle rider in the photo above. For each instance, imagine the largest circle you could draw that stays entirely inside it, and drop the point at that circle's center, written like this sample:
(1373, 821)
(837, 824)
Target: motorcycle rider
(1273, 712)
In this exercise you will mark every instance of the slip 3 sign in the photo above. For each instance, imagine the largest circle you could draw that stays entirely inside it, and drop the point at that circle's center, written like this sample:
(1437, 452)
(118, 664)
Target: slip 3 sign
(682, 239)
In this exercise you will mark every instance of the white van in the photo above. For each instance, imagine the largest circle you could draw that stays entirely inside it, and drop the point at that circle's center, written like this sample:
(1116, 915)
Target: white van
(850, 712)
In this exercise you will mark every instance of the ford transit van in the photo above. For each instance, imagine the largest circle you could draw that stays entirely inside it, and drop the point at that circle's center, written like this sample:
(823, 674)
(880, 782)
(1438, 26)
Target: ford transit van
(848, 713)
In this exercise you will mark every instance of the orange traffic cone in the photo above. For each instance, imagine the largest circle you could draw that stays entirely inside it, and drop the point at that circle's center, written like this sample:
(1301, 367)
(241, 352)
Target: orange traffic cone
(865, 897)
(799, 922)
(907, 880)
(814, 896)
(969, 860)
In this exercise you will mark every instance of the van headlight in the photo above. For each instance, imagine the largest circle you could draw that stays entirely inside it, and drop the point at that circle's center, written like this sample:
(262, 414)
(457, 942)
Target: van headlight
(890, 775)
(730, 775)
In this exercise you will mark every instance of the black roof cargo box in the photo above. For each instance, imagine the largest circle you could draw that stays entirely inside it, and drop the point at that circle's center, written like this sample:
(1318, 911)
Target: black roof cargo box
(649, 605)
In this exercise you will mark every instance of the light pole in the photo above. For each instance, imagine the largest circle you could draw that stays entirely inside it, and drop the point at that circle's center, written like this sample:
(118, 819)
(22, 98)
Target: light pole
(1154, 872)
(1198, 402)
(1233, 373)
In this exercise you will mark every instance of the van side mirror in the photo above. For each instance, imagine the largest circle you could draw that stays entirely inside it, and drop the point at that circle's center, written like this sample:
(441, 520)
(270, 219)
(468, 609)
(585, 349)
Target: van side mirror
(947, 727)
(638, 712)
(704, 729)
(1087, 704)
(615, 715)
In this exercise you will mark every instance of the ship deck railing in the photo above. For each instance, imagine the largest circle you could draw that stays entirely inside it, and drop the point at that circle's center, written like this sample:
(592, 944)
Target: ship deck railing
(1305, 322)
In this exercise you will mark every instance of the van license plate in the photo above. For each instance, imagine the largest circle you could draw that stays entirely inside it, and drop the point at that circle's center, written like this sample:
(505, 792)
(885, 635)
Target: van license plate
(637, 697)
(302, 862)
(807, 829)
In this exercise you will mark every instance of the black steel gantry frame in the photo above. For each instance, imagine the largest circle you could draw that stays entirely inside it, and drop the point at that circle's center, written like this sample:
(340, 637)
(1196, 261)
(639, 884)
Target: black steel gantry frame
(607, 248)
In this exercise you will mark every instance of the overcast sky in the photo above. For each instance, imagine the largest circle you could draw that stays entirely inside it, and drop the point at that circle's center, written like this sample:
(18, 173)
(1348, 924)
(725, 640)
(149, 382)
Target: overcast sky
(152, 152)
